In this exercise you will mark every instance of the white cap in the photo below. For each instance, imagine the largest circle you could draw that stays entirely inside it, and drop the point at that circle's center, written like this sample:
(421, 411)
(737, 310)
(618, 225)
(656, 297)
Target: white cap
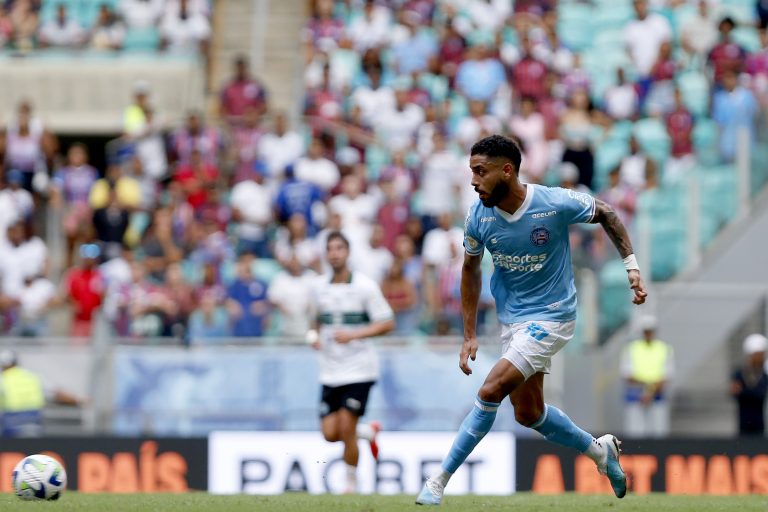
(141, 87)
(8, 357)
(755, 343)
(648, 323)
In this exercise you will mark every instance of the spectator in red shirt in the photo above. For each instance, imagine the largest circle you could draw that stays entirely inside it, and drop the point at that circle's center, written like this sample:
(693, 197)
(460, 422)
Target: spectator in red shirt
(196, 179)
(660, 99)
(242, 94)
(393, 212)
(85, 289)
(726, 55)
(680, 129)
(528, 74)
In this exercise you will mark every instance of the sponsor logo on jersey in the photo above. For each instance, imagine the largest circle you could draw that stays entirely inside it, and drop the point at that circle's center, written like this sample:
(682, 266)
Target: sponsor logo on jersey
(493, 240)
(471, 242)
(539, 237)
(581, 197)
(487, 219)
(544, 214)
(524, 263)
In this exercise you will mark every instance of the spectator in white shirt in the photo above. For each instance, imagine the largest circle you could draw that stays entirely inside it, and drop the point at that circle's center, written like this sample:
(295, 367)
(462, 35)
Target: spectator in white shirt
(289, 293)
(621, 99)
(699, 34)
(371, 30)
(397, 127)
(317, 169)
(252, 210)
(358, 213)
(438, 241)
(375, 260)
(479, 121)
(644, 36)
(21, 257)
(37, 296)
(293, 241)
(61, 32)
(185, 31)
(15, 202)
(375, 98)
(280, 148)
(442, 175)
(108, 32)
(141, 14)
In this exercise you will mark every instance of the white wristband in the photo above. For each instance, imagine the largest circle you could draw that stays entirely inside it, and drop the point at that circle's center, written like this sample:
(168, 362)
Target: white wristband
(312, 337)
(630, 263)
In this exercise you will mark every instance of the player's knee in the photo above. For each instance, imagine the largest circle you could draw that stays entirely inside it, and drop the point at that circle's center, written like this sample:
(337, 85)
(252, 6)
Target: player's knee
(347, 432)
(527, 415)
(491, 392)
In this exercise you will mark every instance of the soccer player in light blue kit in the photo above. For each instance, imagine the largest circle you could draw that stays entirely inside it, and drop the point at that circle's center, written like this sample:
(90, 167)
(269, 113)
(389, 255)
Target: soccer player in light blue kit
(525, 228)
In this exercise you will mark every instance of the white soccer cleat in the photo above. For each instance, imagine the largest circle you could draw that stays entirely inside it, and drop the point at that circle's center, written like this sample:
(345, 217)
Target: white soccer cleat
(609, 465)
(431, 494)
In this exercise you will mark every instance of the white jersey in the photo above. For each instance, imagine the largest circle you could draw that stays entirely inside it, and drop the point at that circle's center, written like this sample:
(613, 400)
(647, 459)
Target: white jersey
(346, 306)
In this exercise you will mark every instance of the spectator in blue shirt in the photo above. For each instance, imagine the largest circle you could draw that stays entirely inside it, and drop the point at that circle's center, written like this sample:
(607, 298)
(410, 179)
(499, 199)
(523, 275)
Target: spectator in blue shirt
(209, 322)
(480, 76)
(734, 107)
(412, 55)
(298, 196)
(247, 301)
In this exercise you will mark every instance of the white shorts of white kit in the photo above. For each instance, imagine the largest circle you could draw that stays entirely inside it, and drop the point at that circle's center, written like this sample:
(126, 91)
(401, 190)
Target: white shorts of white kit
(530, 345)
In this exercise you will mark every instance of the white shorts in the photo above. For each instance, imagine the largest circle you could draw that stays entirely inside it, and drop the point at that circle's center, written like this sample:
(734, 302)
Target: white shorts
(530, 345)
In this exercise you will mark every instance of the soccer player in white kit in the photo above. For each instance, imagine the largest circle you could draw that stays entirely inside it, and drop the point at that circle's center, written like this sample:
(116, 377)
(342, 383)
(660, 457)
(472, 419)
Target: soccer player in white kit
(525, 228)
(350, 309)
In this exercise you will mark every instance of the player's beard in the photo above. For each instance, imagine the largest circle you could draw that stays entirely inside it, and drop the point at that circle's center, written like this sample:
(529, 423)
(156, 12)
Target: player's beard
(499, 192)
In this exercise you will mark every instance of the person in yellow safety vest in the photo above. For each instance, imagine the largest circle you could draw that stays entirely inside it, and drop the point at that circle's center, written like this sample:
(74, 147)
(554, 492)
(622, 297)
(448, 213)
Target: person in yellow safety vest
(135, 114)
(23, 397)
(647, 365)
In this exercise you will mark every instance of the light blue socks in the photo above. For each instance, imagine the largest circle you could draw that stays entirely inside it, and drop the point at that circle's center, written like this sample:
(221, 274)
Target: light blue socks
(558, 428)
(474, 427)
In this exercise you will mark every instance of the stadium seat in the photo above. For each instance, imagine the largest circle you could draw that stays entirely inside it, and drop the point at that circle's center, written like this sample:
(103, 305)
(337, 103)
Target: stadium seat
(608, 155)
(614, 303)
(705, 141)
(747, 37)
(653, 138)
(665, 213)
(141, 40)
(694, 87)
(575, 25)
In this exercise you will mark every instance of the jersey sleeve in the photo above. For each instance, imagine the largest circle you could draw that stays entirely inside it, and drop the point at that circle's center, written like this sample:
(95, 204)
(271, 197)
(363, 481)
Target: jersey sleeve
(376, 305)
(576, 206)
(472, 242)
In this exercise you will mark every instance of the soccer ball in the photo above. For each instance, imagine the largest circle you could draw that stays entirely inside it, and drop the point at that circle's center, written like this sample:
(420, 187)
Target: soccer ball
(39, 477)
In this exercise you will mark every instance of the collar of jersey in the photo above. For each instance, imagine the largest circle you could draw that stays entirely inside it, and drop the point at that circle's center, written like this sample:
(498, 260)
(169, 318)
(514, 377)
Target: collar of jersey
(514, 217)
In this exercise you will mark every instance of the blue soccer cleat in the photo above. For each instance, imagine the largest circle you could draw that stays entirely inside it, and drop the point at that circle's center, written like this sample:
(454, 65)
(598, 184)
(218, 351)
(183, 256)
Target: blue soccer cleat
(431, 494)
(610, 466)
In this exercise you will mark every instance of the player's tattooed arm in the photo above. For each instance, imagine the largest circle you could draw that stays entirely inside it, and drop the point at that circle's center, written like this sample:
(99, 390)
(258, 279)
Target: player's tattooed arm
(606, 217)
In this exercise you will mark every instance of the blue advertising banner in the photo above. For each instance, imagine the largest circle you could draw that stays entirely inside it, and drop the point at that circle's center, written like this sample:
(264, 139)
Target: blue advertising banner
(187, 392)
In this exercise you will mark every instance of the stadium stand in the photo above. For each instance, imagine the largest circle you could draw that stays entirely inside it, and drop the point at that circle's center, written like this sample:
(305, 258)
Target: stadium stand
(198, 211)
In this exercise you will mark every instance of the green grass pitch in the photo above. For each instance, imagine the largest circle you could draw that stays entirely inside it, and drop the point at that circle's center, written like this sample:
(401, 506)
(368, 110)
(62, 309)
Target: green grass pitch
(302, 502)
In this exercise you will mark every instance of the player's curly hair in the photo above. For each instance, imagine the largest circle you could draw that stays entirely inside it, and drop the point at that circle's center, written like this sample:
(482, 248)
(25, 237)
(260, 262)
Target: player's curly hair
(498, 146)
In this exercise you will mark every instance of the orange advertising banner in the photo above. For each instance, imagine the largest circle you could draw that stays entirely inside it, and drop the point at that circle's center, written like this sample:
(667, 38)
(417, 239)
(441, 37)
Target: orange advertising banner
(675, 466)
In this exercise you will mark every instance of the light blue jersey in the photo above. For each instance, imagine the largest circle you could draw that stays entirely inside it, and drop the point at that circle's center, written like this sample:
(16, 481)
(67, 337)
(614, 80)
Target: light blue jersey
(533, 275)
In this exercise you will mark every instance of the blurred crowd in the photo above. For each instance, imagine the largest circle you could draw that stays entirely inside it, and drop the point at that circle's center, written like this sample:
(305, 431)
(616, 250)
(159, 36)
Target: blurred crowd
(174, 26)
(216, 228)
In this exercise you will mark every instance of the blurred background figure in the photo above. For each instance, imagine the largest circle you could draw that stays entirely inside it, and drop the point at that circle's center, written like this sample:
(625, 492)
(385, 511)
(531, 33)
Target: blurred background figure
(749, 386)
(648, 365)
(23, 397)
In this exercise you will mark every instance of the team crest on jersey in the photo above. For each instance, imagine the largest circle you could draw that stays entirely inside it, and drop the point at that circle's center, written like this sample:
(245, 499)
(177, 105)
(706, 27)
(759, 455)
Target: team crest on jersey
(539, 237)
